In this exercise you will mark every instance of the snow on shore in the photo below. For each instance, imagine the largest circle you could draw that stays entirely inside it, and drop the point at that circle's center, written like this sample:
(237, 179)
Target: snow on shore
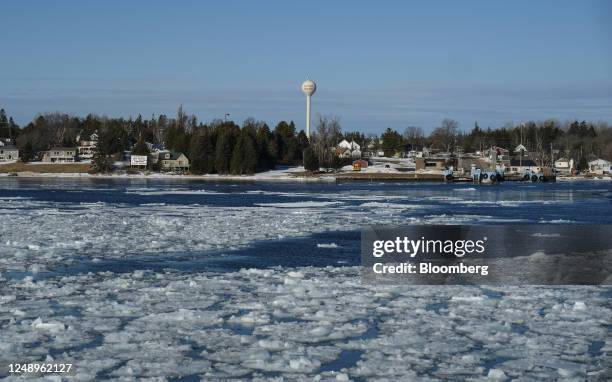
(282, 174)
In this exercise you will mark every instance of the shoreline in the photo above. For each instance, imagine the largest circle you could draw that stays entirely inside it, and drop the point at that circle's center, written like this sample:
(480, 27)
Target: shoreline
(273, 176)
(209, 177)
(295, 174)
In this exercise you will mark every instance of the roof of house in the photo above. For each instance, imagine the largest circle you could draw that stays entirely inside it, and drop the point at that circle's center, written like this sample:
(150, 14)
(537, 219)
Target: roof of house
(61, 149)
(599, 161)
(173, 155)
(524, 162)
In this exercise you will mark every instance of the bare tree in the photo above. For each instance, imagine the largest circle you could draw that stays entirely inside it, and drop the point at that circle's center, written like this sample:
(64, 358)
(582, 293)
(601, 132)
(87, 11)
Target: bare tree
(327, 135)
(414, 135)
(446, 134)
(181, 118)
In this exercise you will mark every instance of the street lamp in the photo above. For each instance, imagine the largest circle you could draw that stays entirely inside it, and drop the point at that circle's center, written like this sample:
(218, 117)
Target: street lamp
(225, 117)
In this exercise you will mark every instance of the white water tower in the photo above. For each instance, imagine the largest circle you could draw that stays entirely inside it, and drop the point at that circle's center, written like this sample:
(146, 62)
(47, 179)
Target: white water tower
(309, 88)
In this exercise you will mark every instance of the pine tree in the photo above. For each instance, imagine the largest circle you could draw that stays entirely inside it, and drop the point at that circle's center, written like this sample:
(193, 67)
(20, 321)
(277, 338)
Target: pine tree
(237, 162)
(223, 152)
(311, 163)
(244, 157)
(583, 165)
(28, 153)
(102, 160)
(302, 141)
(208, 153)
(265, 159)
(250, 163)
(140, 148)
(202, 154)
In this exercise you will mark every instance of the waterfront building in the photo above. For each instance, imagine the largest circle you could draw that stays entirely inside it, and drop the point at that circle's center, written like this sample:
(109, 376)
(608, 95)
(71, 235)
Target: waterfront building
(59, 155)
(8, 153)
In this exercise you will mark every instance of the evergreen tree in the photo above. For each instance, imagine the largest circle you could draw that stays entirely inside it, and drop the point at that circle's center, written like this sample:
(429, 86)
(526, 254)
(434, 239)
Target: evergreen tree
(392, 141)
(265, 159)
(223, 152)
(4, 125)
(105, 148)
(311, 162)
(244, 157)
(286, 143)
(237, 162)
(583, 164)
(250, 163)
(302, 141)
(8, 127)
(28, 154)
(202, 154)
(140, 148)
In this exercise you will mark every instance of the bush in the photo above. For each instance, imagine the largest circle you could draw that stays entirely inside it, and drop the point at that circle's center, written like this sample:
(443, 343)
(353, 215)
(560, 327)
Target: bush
(311, 162)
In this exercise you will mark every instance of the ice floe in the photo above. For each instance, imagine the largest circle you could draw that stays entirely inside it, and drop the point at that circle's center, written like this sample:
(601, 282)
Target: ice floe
(252, 324)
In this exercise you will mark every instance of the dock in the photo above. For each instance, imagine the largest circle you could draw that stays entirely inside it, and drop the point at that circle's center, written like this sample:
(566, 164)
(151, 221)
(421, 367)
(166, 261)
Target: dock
(389, 177)
(416, 177)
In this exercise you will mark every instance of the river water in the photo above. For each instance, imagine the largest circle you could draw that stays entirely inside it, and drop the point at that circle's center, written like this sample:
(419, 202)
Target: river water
(191, 280)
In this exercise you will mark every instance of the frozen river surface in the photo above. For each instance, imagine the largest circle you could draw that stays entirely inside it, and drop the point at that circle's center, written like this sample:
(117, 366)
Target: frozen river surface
(187, 280)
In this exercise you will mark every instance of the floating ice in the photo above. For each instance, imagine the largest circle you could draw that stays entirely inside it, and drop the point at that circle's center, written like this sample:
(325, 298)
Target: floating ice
(327, 245)
(250, 323)
(290, 323)
(305, 204)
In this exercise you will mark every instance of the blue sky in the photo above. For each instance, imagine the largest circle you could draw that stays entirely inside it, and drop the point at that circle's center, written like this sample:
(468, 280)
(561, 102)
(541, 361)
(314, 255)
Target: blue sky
(377, 64)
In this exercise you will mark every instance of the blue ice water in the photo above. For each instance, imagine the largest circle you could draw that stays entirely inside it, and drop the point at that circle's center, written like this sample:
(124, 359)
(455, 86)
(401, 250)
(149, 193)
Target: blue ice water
(575, 203)
(562, 202)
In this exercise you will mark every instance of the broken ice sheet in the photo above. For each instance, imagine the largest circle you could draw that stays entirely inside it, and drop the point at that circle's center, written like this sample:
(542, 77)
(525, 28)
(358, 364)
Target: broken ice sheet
(170, 324)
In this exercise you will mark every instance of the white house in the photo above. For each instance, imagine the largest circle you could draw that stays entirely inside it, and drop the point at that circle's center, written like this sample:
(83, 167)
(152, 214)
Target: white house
(414, 154)
(8, 153)
(600, 166)
(174, 161)
(87, 147)
(518, 166)
(344, 144)
(59, 155)
(352, 145)
(564, 166)
(348, 149)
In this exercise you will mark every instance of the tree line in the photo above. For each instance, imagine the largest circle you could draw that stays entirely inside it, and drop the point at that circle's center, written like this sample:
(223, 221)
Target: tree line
(224, 147)
(220, 147)
(581, 140)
